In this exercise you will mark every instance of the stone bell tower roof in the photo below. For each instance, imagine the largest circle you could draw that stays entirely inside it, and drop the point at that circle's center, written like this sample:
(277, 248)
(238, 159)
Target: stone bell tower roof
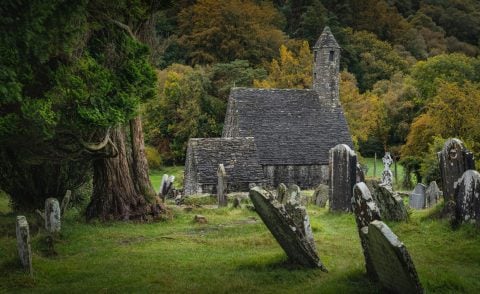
(326, 39)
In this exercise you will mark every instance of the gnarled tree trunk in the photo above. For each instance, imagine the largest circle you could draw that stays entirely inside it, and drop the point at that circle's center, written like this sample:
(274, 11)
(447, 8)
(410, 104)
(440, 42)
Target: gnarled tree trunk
(139, 160)
(114, 193)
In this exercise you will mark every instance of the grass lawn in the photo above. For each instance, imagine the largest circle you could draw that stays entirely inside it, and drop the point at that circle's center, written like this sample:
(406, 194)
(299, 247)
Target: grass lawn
(156, 176)
(233, 253)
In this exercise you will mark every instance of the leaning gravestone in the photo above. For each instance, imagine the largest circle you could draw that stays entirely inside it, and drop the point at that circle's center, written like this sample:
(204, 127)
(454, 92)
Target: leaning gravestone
(320, 195)
(290, 226)
(221, 186)
(389, 203)
(365, 211)
(467, 197)
(454, 160)
(432, 194)
(417, 197)
(391, 260)
(52, 215)
(23, 243)
(343, 169)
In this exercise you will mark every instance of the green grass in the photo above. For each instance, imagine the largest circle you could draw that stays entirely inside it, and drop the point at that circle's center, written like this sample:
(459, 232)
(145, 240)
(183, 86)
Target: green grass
(230, 254)
(156, 176)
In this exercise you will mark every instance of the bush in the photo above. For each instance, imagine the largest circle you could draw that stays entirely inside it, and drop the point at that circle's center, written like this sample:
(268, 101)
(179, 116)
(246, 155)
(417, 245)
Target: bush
(153, 157)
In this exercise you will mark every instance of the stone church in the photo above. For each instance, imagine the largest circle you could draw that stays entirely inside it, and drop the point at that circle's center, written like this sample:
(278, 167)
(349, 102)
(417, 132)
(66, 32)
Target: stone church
(289, 132)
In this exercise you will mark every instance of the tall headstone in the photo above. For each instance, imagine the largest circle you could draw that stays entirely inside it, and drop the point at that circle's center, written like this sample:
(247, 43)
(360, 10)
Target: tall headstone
(387, 175)
(290, 226)
(365, 211)
(326, 69)
(23, 243)
(454, 160)
(221, 186)
(432, 194)
(52, 215)
(467, 197)
(66, 201)
(391, 260)
(343, 169)
(417, 197)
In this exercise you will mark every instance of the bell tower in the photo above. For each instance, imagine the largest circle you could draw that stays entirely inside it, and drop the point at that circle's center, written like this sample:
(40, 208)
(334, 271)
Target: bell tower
(326, 67)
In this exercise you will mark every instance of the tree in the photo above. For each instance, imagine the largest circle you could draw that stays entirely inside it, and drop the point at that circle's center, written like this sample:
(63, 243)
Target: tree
(75, 73)
(290, 70)
(222, 31)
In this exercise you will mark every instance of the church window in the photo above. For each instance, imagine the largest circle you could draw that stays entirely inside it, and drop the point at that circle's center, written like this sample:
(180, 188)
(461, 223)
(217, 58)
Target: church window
(332, 54)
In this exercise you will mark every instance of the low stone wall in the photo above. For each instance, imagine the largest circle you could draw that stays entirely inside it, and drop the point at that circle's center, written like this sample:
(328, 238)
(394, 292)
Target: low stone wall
(304, 176)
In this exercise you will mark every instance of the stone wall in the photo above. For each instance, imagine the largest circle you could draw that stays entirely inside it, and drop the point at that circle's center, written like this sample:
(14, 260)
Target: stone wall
(305, 176)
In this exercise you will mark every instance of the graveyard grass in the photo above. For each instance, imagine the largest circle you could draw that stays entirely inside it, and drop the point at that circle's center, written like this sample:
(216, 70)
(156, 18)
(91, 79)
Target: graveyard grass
(230, 254)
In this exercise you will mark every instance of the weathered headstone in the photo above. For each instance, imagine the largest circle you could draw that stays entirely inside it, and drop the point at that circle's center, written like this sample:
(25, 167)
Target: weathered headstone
(320, 195)
(52, 215)
(360, 175)
(221, 186)
(432, 194)
(237, 202)
(454, 160)
(294, 195)
(66, 201)
(417, 197)
(365, 211)
(343, 169)
(391, 260)
(467, 197)
(389, 203)
(23, 243)
(282, 193)
(290, 226)
(387, 175)
(163, 186)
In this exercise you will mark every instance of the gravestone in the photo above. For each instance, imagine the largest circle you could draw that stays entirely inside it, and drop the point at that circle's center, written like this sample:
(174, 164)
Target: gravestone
(294, 195)
(320, 195)
(366, 211)
(52, 215)
(282, 193)
(23, 243)
(432, 194)
(391, 260)
(360, 174)
(387, 176)
(65, 201)
(454, 160)
(290, 226)
(389, 203)
(163, 185)
(417, 197)
(221, 186)
(467, 197)
(343, 169)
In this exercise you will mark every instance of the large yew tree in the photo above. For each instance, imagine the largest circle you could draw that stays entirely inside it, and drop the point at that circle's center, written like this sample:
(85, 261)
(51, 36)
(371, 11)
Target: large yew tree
(72, 77)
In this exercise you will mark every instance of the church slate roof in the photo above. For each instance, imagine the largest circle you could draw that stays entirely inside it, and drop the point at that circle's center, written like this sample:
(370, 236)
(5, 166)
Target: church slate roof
(290, 127)
(238, 155)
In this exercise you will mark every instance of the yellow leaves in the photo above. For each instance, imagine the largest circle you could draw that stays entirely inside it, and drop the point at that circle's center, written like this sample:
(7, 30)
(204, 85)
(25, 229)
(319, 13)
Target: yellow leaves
(290, 71)
(453, 112)
(365, 113)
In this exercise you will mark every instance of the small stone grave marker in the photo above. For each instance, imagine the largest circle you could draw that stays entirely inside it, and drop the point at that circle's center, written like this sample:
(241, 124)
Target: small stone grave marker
(52, 215)
(432, 194)
(417, 197)
(467, 197)
(221, 186)
(23, 243)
